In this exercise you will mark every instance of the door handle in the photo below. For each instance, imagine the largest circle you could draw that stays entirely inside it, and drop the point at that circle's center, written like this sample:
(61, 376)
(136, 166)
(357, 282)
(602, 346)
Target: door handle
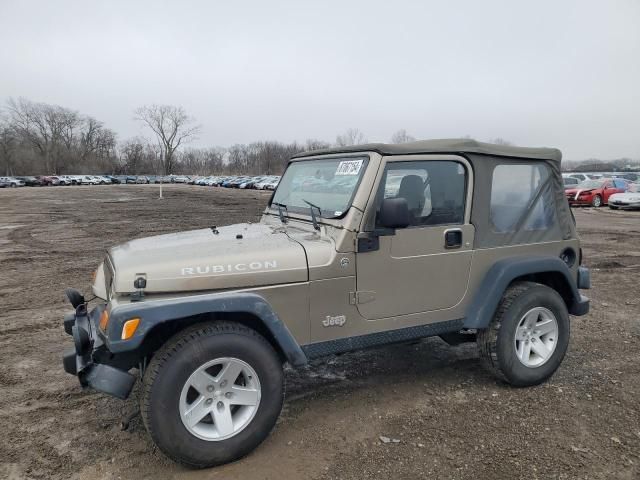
(453, 238)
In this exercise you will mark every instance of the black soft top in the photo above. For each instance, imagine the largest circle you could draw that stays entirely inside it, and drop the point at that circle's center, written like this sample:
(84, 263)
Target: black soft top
(447, 146)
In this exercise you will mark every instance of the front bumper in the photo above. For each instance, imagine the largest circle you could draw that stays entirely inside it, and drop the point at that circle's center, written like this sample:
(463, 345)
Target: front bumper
(580, 202)
(629, 205)
(580, 305)
(89, 359)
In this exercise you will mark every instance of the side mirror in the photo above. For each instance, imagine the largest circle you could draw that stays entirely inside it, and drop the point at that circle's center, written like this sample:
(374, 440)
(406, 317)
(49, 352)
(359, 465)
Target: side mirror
(394, 213)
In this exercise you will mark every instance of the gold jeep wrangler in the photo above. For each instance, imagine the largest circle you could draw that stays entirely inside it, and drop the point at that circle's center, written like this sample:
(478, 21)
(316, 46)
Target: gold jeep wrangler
(358, 247)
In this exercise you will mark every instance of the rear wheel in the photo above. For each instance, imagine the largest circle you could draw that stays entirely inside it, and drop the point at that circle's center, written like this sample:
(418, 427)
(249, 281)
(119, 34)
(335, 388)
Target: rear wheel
(528, 336)
(596, 201)
(212, 394)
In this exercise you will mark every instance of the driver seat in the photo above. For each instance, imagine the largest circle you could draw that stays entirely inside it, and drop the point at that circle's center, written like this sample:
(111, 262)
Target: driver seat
(412, 190)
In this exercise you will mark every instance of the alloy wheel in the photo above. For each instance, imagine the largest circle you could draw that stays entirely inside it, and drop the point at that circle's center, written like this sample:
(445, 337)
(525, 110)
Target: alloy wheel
(536, 337)
(219, 399)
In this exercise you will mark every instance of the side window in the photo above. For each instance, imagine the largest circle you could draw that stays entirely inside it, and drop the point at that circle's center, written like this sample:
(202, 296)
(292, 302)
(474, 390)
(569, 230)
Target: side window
(435, 190)
(521, 198)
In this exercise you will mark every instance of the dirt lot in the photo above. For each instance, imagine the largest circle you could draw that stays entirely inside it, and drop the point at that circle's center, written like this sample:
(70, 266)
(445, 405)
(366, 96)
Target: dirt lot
(453, 419)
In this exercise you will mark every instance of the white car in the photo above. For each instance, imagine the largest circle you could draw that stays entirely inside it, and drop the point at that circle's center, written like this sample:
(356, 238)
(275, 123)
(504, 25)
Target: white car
(13, 182)
(265, 183)
(66, 180)
(90, 180)
(180, 179)
(629, 199)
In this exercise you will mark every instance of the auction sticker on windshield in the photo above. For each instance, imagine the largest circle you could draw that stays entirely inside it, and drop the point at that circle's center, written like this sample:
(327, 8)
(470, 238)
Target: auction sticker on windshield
(349, 167)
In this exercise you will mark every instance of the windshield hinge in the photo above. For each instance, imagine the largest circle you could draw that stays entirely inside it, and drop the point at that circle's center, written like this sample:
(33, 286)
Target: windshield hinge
(361, 297)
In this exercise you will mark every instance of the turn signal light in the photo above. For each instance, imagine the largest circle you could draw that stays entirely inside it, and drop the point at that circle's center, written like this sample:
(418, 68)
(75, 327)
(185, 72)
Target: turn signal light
(104, 320)
(129, 328)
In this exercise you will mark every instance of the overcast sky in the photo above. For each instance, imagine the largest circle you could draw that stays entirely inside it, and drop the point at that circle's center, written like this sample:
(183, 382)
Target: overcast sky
(554, 73)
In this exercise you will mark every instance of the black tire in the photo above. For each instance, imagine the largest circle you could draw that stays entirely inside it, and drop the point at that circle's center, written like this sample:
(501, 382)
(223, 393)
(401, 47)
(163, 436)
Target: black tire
(613, 208)
(170, 368)
(496, 343)
(596, 201)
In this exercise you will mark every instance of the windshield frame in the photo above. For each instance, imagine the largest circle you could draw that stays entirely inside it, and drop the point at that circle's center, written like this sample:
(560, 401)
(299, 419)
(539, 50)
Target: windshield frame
(297, 210)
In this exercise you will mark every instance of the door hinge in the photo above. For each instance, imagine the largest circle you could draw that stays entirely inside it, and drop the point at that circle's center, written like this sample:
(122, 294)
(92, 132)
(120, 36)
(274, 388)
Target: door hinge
(361, 297)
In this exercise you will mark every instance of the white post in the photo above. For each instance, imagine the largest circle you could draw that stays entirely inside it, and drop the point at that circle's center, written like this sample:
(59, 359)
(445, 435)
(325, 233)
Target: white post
(160, 188)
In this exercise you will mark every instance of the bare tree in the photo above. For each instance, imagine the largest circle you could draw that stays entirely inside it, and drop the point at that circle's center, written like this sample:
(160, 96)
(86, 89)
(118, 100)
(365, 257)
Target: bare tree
(313, 144)
(172, 127)
(351, 136)
(401, 136)
(8, 145)
(132, 155)
(48, 128)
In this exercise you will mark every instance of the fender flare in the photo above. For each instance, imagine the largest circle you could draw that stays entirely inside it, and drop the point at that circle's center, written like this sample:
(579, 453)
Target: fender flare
(485, 303)
(153, 313)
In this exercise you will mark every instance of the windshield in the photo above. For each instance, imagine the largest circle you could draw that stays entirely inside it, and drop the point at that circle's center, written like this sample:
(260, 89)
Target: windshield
(634, 188)
(328, 184)
(591, 184)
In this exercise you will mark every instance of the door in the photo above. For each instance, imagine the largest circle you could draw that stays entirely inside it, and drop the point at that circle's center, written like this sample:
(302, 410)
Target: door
(425, 266)
(614, 186)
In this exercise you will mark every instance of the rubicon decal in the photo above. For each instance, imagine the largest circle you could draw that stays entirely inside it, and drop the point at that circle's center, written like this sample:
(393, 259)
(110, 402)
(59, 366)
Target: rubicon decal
(229, 268)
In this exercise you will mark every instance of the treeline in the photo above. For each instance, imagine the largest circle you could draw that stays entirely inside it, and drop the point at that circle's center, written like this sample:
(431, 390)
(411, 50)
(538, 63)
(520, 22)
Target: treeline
(39, 138)
(43, 138)
(595, 165)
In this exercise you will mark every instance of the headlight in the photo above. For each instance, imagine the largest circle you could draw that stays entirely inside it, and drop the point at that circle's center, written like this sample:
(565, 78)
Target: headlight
(99, 287)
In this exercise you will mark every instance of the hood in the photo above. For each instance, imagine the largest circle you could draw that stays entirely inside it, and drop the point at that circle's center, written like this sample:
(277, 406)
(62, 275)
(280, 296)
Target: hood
(633, 196)
(574, 191)
(235, 256)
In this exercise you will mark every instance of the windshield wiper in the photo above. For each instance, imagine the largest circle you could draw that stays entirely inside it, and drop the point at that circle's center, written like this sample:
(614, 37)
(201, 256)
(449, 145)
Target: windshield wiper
(280, 205)
(313, 215)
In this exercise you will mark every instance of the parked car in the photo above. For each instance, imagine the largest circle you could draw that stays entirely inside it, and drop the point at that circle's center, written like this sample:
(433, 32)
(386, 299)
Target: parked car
(570, 182)
(594, 192)
(31, 181)
(65, 180)
(273, 184)
(13, 182)
(142, 179)
(3, 183)
(89, 180)
(49, 180)
(632, 177)
(627, 200)
(180, 179)
(114, 180)
(76, 179)
(270, 183)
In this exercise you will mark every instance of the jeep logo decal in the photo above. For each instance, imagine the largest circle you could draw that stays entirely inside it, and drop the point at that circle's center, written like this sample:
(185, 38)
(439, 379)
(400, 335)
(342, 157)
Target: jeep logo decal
(229, 268)
(337, 321)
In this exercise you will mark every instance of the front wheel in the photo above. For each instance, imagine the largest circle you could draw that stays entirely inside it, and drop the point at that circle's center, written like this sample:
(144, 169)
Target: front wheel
(597, 201)
(212, 394)
(529, 335)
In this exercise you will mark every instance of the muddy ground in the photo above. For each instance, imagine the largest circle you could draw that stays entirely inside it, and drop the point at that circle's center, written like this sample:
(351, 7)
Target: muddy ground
(452, 418)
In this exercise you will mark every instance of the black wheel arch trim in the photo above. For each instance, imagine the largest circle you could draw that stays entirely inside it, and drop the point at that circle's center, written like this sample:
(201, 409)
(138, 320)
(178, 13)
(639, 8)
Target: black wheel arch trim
(503, 272)
(156, 312)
